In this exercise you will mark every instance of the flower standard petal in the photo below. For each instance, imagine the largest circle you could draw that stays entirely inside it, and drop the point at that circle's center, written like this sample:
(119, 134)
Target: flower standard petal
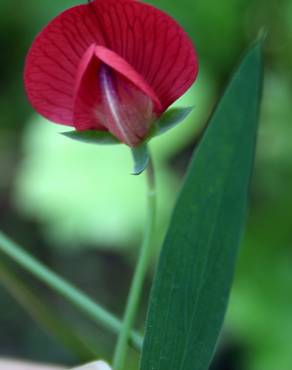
(52, 62)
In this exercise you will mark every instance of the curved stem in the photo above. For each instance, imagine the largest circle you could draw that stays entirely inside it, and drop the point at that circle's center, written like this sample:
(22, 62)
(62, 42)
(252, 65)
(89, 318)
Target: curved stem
(139, 275)
(92, 309)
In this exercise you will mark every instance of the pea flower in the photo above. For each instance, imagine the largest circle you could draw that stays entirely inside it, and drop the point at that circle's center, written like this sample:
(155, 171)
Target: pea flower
(109, 65)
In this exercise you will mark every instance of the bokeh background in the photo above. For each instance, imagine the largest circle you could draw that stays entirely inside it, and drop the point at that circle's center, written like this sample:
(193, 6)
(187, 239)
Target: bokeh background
(77, 208)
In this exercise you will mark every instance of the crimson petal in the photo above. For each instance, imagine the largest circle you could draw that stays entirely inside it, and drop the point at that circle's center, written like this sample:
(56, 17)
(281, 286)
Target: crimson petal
(151, 42)
(53, 60)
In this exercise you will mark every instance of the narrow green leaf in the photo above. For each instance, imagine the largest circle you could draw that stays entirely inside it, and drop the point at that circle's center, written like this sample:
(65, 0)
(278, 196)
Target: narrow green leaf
(195, 271)
(75, 296)
(170, 119)
(92, 137)
(141, 158)
(44, 316)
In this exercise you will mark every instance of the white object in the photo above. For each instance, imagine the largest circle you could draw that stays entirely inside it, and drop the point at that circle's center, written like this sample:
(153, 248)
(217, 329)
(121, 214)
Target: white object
(97, 365)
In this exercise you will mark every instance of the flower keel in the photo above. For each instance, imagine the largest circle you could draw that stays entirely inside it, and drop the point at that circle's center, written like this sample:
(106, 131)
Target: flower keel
(111, 95)
(129, 112)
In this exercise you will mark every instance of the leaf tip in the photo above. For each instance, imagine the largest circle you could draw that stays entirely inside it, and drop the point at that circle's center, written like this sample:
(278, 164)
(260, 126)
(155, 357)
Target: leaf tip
(262, 35)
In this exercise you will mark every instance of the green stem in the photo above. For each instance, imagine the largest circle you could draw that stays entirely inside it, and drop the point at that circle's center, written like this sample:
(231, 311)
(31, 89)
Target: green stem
(139, 275)
(67, 290)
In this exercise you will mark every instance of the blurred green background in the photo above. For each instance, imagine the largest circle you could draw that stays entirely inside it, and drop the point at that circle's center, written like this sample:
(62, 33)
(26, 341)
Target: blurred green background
(77, 208)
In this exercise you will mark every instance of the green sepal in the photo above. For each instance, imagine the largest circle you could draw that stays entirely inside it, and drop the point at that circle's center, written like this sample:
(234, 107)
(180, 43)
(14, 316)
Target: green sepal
(141, 158)
(92, 137)
(170, 119)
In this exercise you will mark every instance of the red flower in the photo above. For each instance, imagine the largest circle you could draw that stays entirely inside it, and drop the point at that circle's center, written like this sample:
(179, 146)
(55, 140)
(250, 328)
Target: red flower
(111, 65)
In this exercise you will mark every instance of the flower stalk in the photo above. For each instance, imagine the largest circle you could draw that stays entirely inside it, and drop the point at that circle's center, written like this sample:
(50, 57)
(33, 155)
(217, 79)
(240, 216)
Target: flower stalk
(139, 275)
